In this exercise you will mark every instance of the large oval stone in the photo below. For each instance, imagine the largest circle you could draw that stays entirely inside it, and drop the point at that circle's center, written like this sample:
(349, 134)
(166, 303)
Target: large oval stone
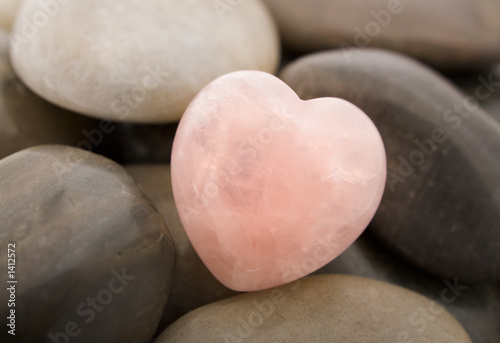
(476, 307)
(27, 120)
(441, 206)
(321, 308)
(138, 61)
(93, 258)
(193, 284)
(445, 34)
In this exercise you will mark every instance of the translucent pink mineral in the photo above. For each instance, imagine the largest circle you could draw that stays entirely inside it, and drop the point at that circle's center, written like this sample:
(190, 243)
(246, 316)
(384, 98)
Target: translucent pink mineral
(270, 188)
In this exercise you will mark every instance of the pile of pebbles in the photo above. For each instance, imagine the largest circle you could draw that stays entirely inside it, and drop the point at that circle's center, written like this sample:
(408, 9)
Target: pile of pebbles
(91, 245)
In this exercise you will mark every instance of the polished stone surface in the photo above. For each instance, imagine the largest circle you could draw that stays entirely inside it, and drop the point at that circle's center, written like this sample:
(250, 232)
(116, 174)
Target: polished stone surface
(441, 206)
(320, 308)
(193, 284)
(94, 259)
(447, 34)
(268, 187)
(476, 307)
(27, 120)
(138, 61)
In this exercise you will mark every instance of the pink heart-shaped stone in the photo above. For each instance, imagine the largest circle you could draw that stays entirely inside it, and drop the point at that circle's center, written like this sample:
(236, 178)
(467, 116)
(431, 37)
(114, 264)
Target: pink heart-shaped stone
(270, 188)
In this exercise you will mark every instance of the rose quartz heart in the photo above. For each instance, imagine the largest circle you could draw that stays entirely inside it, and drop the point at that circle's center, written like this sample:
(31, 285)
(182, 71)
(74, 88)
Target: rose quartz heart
(270, 188)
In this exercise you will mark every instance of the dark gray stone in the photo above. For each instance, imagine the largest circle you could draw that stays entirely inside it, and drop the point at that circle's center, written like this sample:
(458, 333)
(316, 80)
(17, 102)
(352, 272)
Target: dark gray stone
(476, 307)
(441, 206)
(474, 85)
(83, 230)
(193, 284)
